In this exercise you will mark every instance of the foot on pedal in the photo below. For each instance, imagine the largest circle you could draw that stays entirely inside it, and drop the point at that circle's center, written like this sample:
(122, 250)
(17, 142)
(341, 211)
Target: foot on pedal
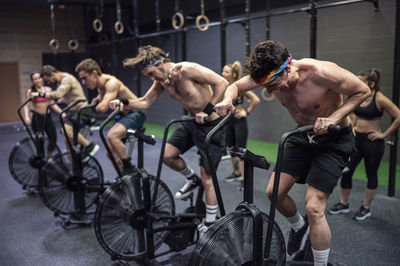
(187, 190)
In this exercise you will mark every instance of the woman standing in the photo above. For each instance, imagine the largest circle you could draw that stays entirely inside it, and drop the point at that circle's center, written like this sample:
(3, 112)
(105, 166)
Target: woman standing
(369, 143)
(40, 121)
(236, 130)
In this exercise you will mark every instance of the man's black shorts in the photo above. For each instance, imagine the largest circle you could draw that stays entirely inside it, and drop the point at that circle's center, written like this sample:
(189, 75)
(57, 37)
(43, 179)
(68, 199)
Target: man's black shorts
(190, 133)
(85, 117)
(318, 160)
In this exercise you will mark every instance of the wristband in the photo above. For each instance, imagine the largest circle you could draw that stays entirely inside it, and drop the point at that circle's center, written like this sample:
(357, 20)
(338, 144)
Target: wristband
(42, 94)
(208, 109)
(125, 101)
(247, 113)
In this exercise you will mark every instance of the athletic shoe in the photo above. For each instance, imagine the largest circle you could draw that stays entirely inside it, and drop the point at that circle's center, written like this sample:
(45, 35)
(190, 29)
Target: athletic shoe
(339, 208)
(297, 239)
(233, 177)
(362, 214)
(190, 185)
(128, 170)
(91, 150)
(202, 228)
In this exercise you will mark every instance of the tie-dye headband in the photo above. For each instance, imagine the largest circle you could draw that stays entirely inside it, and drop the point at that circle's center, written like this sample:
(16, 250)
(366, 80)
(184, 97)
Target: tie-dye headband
(274, 73)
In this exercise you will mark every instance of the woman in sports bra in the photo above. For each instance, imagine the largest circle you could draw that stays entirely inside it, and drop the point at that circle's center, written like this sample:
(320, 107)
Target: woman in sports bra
(39, 121)
(236, 130)
(369, 143)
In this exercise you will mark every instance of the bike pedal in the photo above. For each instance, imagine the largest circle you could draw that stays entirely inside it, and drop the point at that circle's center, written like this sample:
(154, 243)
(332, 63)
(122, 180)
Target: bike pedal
(188, 197)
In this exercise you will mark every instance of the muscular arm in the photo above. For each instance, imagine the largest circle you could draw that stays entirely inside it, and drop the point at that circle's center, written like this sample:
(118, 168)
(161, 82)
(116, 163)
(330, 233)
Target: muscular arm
(62, 89)
(56, 108)
(388, 106)
(237, 88)
(148, 99)
(205, 75)
(111, 93)
(340, 80)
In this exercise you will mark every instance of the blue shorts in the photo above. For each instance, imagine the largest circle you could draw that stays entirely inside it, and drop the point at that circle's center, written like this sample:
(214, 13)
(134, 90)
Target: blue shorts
(133, 119)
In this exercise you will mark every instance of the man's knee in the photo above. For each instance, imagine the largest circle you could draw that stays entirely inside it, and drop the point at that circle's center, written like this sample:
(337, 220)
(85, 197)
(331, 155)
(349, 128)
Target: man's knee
(315, 208)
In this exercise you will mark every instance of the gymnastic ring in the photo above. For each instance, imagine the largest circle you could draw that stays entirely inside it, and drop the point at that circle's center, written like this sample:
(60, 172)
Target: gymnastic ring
(181, 20)
(103, 38)
(119, 27)
(207, 22)
(54, 44)
(73, 44)
(265, 96)
(97, 25)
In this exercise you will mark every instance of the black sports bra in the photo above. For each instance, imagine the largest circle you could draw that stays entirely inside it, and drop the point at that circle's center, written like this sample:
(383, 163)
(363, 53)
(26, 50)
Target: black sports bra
(369, 112)
(237, 101)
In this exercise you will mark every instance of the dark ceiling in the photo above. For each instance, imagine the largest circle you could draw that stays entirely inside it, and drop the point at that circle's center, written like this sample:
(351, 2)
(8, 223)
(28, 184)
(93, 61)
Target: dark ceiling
(146, 8)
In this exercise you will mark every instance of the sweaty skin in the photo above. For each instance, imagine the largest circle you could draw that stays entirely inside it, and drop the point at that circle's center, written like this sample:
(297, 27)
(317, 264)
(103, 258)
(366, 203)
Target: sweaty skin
(311, 90)
(188, 83)
(68, 88)
(110, 88)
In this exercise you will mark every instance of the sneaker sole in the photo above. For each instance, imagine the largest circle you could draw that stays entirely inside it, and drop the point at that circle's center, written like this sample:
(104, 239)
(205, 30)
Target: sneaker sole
(340, 211)
(235, 179)
(184, 196)
(362, 217)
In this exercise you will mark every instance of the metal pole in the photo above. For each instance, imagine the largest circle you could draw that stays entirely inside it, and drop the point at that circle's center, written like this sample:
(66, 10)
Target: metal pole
(223, 33)
(268, 21)
(247, 27)
(395, 99)
(313, 29)
(158, 20)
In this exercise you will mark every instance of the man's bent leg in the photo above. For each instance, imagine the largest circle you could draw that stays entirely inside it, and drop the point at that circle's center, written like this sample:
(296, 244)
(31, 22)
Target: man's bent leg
(115, 137)
(287, 207)
(173, 159)
(320, 234)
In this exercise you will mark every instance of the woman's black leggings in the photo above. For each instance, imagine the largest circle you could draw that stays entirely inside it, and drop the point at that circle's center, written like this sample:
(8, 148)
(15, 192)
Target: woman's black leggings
(40, 123)
(372, 152)
(236, 133)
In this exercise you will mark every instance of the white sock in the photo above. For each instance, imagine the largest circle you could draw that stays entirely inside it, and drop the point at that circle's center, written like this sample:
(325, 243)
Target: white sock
(320, 257)
(296, 222)
(211, 213)
(188, 172)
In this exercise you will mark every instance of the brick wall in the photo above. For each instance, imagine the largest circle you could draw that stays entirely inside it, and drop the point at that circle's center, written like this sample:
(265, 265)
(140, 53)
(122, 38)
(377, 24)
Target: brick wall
(25, 34)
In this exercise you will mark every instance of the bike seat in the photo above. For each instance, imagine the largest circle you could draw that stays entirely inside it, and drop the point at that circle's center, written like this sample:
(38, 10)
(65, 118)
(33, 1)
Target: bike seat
(149, 139)
(246, 155)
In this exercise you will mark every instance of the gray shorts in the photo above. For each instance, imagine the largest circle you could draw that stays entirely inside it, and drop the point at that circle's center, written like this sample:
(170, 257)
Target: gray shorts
(132, 120)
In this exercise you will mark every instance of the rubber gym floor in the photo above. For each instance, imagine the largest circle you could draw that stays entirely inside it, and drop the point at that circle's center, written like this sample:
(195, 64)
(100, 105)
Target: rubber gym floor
(31, 235)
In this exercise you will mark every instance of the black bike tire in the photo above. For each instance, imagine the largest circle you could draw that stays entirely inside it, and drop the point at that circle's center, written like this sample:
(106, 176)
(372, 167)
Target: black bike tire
(99, 228)
(26, 170)
(53, 170)
(219, 244)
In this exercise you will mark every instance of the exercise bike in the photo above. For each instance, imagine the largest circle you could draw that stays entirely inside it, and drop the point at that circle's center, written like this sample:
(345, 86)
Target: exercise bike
(68, 186)
(136, 214)
(248, 236)
(29, 154)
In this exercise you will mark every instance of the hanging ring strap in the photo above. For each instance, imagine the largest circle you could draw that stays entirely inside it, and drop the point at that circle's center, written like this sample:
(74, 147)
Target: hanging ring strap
(177, 18)
(267, 97)
(73, 43)
(201, 17)
(118, 25)
(54, 44)
(97, 23)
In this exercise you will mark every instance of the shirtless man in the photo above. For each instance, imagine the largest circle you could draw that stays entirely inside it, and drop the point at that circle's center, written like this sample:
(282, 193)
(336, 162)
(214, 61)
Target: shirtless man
(110, 88)
(69, 90)
(190, 84)
(312, 91)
